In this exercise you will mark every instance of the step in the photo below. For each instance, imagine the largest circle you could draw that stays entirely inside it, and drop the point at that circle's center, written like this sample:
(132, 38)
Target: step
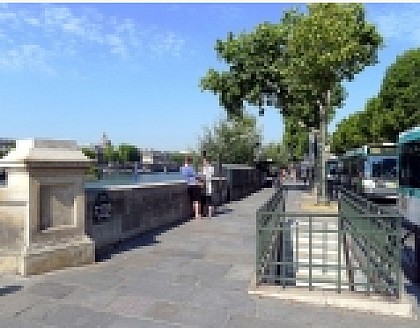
(318, 253)
(325, 286)
(316, 224)
(330, 244)
(318, 261)
(319, 275)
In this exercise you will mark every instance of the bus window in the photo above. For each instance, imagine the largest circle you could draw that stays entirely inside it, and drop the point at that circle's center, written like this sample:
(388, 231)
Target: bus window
(410, 165)
(383, 167)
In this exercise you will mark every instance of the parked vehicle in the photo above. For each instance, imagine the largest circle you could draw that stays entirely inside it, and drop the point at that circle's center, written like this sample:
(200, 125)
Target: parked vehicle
(371, 171)
(409, 175)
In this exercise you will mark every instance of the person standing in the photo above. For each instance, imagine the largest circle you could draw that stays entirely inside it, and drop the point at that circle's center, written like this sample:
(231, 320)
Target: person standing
(194, 190)
(208, 172)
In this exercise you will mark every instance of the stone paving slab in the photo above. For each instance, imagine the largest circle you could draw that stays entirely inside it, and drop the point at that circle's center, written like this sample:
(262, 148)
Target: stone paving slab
(195, 274)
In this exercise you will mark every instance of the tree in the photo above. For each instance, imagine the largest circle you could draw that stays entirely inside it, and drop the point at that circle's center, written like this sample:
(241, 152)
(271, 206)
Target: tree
(351, 133)
(232, 140)
(331, 43)
(298, 65)
(89, 153)
(393, 110)
(257, 63)
(277, 152)
(400, 95)
(128, 153)
(177, 157)
(111, 154)
(295, 139)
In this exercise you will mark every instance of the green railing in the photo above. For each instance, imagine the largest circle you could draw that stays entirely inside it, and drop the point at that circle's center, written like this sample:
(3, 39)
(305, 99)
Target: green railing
(373, 239)
(357, 250)
(268, 237)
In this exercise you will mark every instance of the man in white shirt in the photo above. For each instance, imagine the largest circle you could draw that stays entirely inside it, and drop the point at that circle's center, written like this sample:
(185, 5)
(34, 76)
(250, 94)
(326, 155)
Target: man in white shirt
(208, 172)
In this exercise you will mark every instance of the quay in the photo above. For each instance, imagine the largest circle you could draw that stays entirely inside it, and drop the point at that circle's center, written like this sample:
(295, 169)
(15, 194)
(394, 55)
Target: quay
(195, 273)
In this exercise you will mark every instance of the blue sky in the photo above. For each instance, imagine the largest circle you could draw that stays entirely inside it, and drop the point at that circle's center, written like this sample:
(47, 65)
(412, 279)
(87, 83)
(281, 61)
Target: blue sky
(74, 71)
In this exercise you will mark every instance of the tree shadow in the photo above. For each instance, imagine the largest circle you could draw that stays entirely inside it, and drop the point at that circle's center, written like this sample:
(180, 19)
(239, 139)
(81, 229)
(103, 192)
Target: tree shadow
(9, 289)
(145, 239)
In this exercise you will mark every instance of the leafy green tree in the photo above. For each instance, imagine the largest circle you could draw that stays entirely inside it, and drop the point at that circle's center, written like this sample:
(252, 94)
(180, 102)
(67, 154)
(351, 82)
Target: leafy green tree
(295, 139)
(297, 65)
(232, 140)
(352, 132)
(89, 153)
(257, 63)
(111, 154)
(277, 152)
(393, 110)
(177, 158)
(128, 153)
(331, 43)
(400, 95)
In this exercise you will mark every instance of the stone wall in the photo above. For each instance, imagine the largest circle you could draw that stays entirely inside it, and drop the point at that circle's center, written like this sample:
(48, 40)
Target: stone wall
(115, 213)
(242, 180)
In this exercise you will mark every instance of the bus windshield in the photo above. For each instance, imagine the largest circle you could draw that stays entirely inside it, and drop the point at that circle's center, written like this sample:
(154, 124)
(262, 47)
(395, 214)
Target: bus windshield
(410, 165)
(382, 167)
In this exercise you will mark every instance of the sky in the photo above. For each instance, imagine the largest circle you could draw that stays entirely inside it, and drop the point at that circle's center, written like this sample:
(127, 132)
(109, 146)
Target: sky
(77, 70)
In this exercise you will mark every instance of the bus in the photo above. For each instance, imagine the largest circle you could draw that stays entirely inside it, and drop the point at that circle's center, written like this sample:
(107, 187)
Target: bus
(409, 175)
(371, 171)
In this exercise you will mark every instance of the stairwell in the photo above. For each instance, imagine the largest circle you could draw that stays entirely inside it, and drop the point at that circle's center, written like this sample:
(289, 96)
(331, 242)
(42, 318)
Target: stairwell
(324, 250)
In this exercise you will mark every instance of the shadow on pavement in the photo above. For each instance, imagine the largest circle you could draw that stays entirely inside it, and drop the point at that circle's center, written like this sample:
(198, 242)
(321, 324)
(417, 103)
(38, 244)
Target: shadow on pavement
(296, 186)
(9, 289)
(145, 239)
(222, 210)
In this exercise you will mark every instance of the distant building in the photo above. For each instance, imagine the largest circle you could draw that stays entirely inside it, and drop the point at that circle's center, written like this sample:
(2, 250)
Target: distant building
(157, 161)
(150, 160)
(105, 141)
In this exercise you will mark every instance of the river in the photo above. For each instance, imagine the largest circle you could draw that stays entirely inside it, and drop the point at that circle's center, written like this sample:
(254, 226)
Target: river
(126, 178)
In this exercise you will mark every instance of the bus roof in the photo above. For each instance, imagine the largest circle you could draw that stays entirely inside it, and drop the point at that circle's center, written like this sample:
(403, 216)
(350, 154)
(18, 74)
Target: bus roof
(409, 135)
(371, 149)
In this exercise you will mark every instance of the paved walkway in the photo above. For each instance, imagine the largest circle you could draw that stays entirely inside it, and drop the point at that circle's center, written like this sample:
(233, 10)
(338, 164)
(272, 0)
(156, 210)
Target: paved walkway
(192, 275)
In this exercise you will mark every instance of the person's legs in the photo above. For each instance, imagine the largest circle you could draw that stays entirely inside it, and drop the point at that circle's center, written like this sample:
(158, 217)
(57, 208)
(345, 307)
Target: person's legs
(203, 205)
(197, 202)
(210, 207)
(196, 206)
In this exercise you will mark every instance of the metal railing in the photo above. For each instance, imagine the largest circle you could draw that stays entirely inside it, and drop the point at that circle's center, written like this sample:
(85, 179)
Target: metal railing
(373, 242)
(358, 249)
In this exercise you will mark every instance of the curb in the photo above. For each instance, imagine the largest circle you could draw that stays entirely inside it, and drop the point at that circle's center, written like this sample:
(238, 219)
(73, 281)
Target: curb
(346, 300)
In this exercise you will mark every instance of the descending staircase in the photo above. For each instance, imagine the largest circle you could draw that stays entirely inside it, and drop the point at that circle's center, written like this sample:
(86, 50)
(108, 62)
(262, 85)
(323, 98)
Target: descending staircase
(324, 252)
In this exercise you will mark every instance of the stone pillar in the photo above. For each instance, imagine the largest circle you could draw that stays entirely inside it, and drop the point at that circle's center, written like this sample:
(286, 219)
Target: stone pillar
(42, 208)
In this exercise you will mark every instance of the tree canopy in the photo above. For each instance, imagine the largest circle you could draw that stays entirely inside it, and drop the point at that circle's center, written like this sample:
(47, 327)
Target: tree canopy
(394, 110)
(295, 139)
(128, 153)
(400, 95)
(293, 63)
(277, 152)
(234, 140)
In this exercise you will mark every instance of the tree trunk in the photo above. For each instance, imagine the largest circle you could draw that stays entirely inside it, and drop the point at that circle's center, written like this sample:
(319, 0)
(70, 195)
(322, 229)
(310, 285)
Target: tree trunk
(324, 104)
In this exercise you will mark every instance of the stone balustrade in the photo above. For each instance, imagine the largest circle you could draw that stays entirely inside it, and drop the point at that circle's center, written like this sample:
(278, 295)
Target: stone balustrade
(115, 213)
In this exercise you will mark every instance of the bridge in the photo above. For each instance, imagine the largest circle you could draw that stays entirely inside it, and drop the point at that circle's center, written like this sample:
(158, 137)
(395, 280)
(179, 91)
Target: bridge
(197, 273)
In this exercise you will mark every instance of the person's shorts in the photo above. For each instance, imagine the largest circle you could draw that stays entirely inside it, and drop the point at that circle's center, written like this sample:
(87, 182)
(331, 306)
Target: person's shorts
(194, 193)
